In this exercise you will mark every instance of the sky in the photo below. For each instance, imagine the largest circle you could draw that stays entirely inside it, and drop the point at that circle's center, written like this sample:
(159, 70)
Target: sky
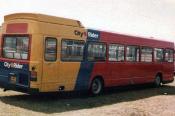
(147, 18)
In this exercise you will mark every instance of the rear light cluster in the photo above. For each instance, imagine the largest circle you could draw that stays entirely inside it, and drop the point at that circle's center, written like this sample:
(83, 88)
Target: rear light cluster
(33, 76)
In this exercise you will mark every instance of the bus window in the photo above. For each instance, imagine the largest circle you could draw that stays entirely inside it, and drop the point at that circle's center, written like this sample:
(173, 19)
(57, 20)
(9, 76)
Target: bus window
(50, 49)
(72, 50)
(16, 47)
(116, 52)
(169, 55)
(146, 54)
(158, 54)
(96, 52)
(132, 53)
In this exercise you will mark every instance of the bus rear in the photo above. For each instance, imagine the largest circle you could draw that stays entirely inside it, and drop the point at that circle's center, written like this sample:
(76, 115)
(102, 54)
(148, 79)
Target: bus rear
(29, 59)
(14, 61)
(15, 73)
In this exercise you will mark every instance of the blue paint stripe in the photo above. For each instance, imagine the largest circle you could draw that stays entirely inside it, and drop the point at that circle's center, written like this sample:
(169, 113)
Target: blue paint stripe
(84, 75)
(22, 75)
(86, 67)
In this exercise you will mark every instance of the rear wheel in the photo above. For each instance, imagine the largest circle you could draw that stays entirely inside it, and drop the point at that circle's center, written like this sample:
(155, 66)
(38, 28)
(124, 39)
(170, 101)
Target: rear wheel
(157, 81)
(96, 86)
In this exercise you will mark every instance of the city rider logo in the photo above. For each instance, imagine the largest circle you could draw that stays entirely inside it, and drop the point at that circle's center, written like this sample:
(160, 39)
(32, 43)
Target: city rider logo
(13, 65)
(93, 35)
(78, 33)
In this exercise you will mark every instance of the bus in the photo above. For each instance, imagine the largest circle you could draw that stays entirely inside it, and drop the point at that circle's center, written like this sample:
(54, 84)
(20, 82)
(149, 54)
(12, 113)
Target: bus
(174, 62)
(0, 36)
(0, 30)
(41, 53)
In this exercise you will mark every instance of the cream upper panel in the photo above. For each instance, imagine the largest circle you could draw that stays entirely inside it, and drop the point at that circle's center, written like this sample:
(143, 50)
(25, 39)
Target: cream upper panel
(62, 31)
(44, 18)
(35, 27)
(43, 24)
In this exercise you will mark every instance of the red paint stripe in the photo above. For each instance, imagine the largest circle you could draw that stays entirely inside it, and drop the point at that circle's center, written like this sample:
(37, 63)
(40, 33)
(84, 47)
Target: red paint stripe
(14, 60)
(17, 28)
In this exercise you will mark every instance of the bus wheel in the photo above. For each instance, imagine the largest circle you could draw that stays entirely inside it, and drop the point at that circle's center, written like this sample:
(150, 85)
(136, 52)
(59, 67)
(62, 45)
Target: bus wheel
(157, 81)
(96, 86)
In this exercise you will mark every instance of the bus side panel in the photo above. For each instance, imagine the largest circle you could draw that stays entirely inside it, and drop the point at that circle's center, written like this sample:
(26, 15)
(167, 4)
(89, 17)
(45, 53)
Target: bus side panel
(84, 75)
(145, 72)
(36, 55)
(168, 71)
(117, 74)
(86, 67)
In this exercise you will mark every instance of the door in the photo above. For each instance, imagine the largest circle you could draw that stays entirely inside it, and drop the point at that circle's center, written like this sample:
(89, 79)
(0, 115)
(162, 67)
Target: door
(50, 66)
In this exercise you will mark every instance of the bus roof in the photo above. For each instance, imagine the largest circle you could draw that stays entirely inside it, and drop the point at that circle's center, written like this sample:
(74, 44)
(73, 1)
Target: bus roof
(130, 39)
(44, 18)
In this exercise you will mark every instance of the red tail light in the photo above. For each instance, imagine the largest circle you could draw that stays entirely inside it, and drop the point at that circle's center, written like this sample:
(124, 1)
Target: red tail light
(33, 76)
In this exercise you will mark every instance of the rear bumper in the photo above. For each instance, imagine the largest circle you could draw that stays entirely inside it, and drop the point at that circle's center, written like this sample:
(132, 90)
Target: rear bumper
(8, 86)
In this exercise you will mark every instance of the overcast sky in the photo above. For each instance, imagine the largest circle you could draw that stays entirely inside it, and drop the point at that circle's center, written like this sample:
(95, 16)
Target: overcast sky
(149, 18)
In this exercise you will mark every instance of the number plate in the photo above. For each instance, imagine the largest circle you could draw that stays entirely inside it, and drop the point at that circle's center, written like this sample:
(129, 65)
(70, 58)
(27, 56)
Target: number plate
(13, 79)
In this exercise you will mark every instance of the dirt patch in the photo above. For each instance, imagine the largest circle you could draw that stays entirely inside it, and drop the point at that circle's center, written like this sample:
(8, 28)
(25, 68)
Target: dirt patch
(128, 101)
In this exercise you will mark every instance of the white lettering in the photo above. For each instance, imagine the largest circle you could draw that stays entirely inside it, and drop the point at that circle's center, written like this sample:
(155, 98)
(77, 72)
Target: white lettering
(13, 65)
(93, 35)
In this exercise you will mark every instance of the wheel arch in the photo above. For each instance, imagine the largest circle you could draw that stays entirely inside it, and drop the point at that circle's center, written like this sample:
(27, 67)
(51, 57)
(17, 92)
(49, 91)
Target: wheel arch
(160, 74)
(99, 77)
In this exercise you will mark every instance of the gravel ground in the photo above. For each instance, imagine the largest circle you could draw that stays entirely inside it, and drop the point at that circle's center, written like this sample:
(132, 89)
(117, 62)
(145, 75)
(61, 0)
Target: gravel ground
(126, 101)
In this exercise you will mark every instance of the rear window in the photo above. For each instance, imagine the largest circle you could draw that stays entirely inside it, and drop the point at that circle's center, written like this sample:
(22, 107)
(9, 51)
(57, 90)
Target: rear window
(16, 47)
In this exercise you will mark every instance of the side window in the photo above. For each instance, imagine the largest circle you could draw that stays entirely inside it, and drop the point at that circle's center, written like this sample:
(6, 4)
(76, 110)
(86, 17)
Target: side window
(146, 54)
(132, 53)
(72, 50)
(50, 49)
(116, 52)
(96, 52)
(158, 54)
(169, 55)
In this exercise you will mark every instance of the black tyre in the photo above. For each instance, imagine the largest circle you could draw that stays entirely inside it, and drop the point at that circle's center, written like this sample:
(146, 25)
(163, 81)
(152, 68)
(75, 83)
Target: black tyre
(157, 81)
(96, 86)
